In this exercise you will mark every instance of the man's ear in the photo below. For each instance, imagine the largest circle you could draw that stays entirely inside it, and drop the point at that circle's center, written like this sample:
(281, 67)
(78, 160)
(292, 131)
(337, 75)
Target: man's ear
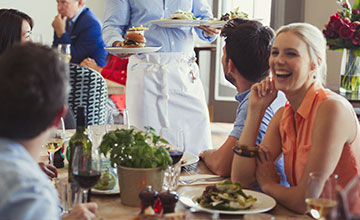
(80, 3)
(231, 66)
(59, 115)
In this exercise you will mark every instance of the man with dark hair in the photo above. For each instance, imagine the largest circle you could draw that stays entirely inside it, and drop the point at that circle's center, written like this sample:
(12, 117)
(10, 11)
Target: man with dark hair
(34, 87)
(245, 62)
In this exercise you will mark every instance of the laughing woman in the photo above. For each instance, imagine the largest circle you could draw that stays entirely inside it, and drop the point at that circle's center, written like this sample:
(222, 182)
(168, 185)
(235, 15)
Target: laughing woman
(317, 130)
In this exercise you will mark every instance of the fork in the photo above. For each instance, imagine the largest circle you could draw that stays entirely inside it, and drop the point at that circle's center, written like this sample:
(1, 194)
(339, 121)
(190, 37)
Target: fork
(216, 178)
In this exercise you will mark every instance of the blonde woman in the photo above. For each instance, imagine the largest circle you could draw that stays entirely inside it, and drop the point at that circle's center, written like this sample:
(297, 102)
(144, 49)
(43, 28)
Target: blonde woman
(317, 130)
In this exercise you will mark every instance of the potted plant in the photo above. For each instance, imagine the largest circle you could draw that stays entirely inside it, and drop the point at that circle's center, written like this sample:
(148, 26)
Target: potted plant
(140, 160)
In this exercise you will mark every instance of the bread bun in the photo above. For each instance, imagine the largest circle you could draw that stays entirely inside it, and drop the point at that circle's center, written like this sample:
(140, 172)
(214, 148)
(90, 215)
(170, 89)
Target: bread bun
(134, 39)
(138, 37)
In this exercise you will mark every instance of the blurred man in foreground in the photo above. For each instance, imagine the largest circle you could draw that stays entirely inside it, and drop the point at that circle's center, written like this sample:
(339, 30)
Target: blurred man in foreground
(34, 93)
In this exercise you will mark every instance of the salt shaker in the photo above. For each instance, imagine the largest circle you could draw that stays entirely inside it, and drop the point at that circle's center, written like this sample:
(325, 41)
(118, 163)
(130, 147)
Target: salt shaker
(148, 198)
(168, 201)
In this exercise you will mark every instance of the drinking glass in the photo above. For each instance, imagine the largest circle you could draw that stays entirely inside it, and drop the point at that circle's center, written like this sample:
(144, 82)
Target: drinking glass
(172, 173)
(86, 169)
(56, 141)
(321, 196)
(116, 119)
(65, 50)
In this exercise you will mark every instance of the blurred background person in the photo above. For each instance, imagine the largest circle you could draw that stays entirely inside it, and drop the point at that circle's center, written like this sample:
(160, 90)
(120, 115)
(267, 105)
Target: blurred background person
(245, 61)
(78, 26)
(317, 130)
(116, 71)
(163, 88)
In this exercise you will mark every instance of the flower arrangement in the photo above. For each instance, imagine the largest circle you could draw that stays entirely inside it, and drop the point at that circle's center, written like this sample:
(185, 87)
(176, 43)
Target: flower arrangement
(343, 32)
(343, 29)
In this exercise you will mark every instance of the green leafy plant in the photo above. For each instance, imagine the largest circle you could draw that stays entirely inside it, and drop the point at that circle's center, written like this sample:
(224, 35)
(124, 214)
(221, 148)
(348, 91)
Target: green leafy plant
(136, 149)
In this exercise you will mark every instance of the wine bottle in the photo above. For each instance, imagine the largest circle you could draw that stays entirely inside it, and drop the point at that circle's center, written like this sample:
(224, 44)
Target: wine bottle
(79, 139)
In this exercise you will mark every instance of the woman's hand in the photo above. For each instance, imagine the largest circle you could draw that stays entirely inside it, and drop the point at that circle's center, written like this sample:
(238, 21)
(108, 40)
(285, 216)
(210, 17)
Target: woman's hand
(266, 173)
(262, 94)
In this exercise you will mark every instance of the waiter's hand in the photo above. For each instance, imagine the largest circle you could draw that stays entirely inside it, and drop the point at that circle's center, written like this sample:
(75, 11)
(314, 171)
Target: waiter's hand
(209, 31)
(121, 55)
(59, 24)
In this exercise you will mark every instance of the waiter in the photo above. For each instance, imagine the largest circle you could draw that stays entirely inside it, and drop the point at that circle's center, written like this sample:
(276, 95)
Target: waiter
(163, 89)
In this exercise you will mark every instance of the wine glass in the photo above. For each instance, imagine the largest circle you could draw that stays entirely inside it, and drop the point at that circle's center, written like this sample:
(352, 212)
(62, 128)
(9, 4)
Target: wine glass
(172, 173)
(56, 141)
(116, 119)
(65, 50)
(321, 196)
(86, 169)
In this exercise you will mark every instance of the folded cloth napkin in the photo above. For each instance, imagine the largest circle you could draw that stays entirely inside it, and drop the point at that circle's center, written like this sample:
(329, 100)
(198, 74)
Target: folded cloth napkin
(201, 179)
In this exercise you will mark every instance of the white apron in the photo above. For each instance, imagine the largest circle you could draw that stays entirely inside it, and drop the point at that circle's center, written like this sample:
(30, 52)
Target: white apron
(164, 91)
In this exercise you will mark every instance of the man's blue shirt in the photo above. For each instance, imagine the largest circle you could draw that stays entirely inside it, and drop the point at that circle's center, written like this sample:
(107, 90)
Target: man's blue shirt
(26, 192)
(241, 113)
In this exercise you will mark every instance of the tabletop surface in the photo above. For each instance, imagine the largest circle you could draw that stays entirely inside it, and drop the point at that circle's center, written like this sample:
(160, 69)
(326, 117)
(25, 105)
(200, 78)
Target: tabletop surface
(110, 207)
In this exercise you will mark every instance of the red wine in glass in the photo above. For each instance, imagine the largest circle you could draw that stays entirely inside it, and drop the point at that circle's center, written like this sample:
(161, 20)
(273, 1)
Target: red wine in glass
(87, 178)
(175, 155)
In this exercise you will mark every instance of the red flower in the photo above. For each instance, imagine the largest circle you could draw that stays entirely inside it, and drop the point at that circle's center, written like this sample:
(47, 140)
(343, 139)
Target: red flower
(355, 11)
(346, 32)
(336, 22)
(356, 39)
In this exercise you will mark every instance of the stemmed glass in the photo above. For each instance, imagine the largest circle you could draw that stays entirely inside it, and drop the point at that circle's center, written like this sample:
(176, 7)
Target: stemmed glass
(65, 50)
(172, 173)
(115, 119)
(321, 196)
(86, 169)
(56, 141)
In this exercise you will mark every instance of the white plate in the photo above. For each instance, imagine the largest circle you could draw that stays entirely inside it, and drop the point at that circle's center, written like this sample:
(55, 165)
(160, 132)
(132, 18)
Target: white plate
(115, 190)
(215, 24)
(176, 23)
(189, 158)
(264, 202)
(132, 50)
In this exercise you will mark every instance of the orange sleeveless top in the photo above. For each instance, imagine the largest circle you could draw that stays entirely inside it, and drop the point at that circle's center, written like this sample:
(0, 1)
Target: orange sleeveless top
(297, 147)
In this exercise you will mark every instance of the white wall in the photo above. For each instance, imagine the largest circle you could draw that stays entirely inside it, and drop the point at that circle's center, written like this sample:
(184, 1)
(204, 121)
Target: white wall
(44, 11)
(313, 16)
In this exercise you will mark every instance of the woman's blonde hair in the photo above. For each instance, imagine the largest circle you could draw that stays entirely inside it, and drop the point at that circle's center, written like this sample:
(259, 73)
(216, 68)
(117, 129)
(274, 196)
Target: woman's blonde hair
(316, 43)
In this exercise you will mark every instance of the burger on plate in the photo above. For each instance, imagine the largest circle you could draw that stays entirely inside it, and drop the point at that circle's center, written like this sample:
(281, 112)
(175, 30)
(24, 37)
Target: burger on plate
(134, 39)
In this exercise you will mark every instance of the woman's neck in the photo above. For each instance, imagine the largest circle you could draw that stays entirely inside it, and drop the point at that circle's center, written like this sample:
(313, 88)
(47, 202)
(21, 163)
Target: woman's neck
(295, 98)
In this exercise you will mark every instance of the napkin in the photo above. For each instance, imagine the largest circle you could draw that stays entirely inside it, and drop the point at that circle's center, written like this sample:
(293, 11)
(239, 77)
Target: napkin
(198, 176)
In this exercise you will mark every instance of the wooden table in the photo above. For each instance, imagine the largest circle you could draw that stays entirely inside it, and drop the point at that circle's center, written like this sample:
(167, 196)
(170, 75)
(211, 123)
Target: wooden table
(110, 207)
(115, 88)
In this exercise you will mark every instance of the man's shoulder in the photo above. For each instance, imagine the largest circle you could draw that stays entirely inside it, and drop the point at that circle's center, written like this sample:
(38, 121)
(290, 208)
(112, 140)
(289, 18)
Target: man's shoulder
(89, 18)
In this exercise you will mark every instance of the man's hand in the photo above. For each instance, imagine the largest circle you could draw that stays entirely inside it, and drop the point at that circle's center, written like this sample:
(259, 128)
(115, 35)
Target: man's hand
(59, 24)
(84, 211)
(209, 31)
(48, 169)
(121, 55)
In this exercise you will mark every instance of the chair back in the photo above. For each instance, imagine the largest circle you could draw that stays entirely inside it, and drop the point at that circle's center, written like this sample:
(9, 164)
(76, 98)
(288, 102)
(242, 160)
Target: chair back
(88, 88)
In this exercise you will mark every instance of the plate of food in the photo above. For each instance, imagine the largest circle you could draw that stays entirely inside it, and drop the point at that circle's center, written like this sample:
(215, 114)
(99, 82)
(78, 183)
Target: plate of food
(113, 191)
(220, 22)
(178, 19)
(226, 197)
(188, 159)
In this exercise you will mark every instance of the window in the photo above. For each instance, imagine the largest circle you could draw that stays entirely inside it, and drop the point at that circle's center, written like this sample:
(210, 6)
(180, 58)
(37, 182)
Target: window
(256, 9)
